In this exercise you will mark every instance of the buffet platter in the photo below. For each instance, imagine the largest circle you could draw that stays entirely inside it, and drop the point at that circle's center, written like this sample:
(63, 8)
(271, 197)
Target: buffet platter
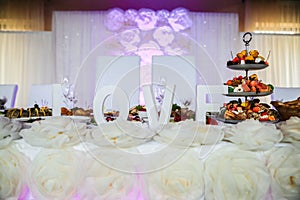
(228, 121)
(255, 66)
(30, 119)
(247, 94)
(233, 121)
(83, 119)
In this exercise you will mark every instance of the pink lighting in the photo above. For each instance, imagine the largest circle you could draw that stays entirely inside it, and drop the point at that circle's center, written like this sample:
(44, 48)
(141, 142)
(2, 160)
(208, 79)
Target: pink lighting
(25, 193)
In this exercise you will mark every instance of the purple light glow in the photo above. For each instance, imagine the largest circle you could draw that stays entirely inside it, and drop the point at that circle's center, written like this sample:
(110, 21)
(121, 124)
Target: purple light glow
(25, 193)
(154, 4)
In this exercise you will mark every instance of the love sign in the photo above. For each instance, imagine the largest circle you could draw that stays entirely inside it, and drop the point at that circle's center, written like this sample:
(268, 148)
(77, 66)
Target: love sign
(156, 121)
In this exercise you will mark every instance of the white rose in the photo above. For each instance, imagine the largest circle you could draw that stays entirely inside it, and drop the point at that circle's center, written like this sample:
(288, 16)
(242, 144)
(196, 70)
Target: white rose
(179, 19)
(231, 173)
(9, 130)
(164, 36)
(103, 182)
(183, 179)
(55, 174)
(115, 19)
(253, 135)
(119, 133)
(146, 19)
(284, 166)
(13, 167)
(55, 132)
(190, 133)
(130, 16)
(129, 39)
(291, 131)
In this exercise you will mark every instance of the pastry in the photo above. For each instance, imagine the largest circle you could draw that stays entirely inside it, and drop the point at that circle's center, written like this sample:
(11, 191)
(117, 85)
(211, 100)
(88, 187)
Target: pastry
(287, 109)
(35, 111)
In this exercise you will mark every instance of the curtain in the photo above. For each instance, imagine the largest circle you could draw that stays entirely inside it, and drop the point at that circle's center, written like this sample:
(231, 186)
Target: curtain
(272, 16)
(216, 35)
(76, 35)
(281, 52)
(25, 15)
(78, 38)
(26, 58)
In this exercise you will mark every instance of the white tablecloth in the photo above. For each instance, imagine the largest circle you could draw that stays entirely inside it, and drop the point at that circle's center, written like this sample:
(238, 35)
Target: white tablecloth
(154, 169)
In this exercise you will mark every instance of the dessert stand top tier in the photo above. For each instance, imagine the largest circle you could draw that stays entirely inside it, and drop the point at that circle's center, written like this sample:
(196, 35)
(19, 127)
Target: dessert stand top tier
(248, 66)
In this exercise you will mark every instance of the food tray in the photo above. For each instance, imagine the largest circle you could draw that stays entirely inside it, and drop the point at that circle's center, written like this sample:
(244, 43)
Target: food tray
(232, 121)
(248, 66)
(247, 94)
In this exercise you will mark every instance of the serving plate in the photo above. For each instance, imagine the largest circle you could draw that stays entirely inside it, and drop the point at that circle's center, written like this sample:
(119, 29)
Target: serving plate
(248, 66)
(82, 119)
(247, 94)
(232, 121)
(228, 121)
(27, 119)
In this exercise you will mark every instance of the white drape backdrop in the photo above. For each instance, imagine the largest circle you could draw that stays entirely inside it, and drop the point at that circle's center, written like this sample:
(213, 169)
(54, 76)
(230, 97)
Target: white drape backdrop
(82, 36)
(26, 58)
(79, 37)
(284, 61)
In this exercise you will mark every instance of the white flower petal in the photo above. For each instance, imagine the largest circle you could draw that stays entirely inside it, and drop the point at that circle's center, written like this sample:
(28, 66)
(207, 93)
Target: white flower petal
(291, 131)
(13, 167)
(120, 134)
(231, 173)
(103, 182)
(253, 135)
(182, 179)
(55, 132)
(284, 166)
(54, 174)
(190, 133)
(9, 130)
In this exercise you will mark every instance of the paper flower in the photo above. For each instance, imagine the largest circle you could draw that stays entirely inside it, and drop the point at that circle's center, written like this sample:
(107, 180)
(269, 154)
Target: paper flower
(291, 131)
(104, 182)
(54, 174)
(284, 166)
(162, 18)
(9, 130)
(190, 133)
(115, 19)
(146, 19)
(164, 36)
(231, 173)
(253, 135)
(179, 19)
(183, 179)
(55, 132)
(129, 39)
(120, 133)
(13, 167)
(130, 16)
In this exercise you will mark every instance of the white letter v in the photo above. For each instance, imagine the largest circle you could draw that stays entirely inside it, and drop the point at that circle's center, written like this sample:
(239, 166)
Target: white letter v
(156, 121)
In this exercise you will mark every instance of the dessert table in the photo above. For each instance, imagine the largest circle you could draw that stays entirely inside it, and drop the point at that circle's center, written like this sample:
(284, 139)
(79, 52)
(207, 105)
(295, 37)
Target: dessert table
(66, 158)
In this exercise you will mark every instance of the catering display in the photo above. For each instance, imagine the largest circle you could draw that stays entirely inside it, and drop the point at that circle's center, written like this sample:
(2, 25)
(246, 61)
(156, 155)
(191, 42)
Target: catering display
(122, 156)
(248, 86)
